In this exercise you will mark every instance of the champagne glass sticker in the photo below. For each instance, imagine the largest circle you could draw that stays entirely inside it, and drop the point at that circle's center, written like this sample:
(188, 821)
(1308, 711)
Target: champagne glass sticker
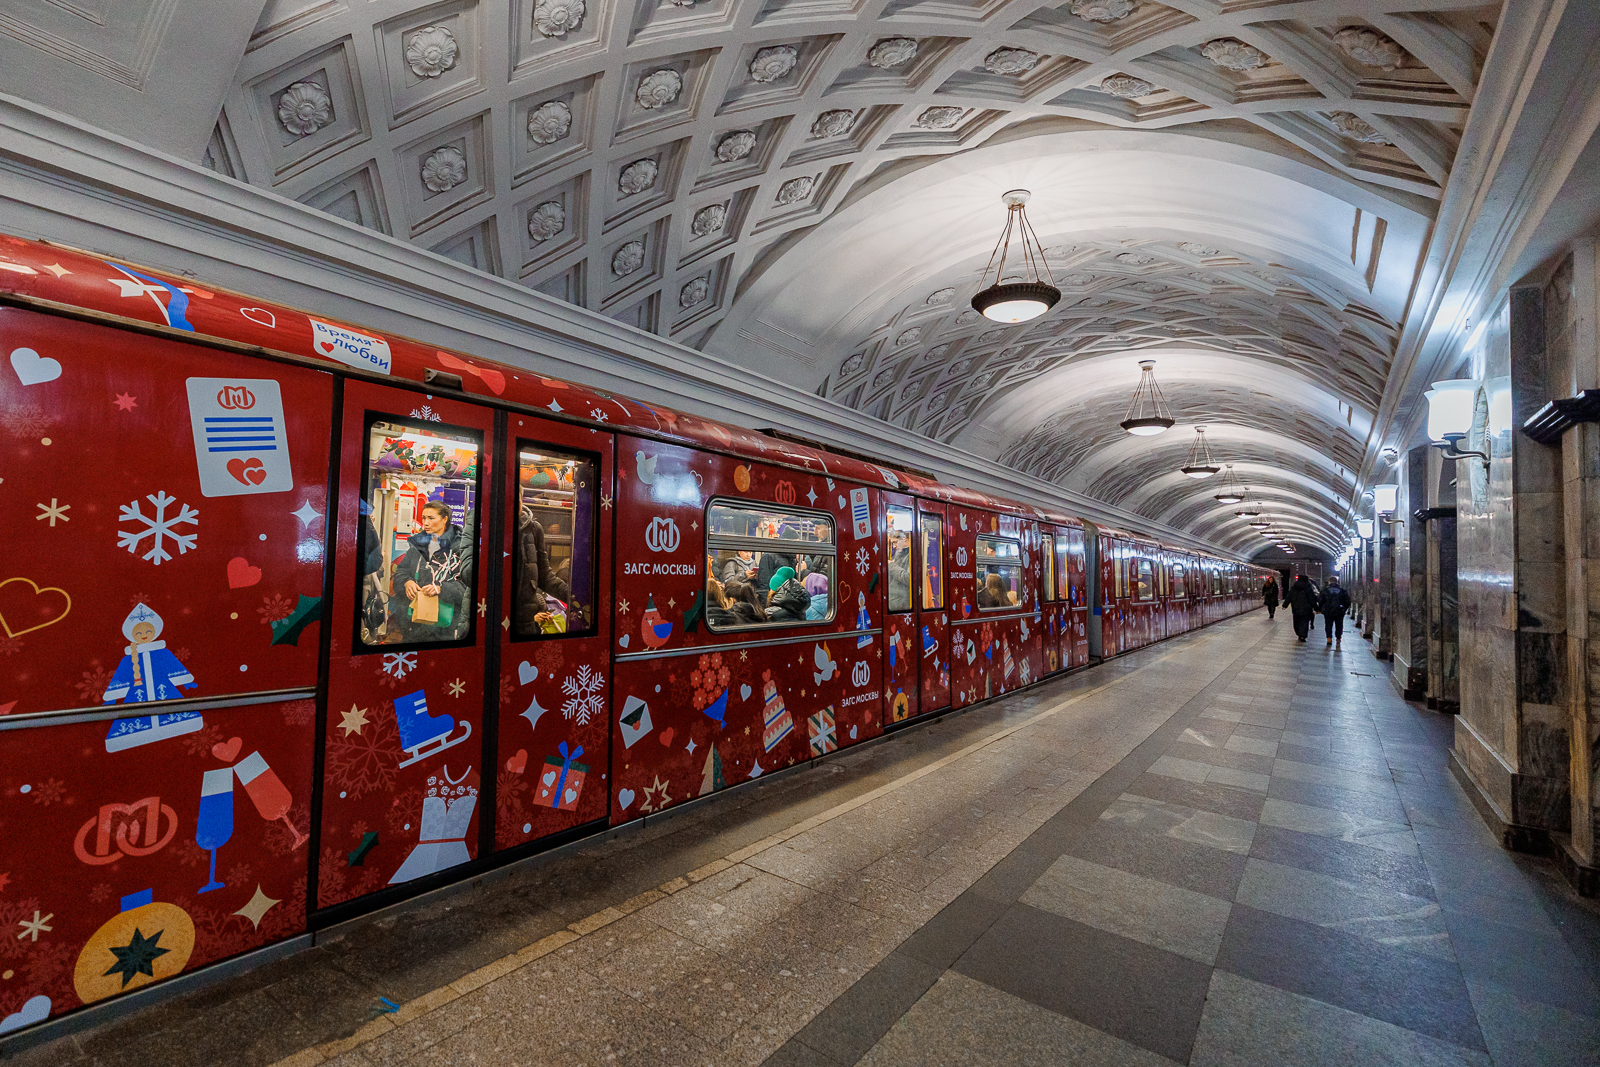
(267, 790)
(215, 824)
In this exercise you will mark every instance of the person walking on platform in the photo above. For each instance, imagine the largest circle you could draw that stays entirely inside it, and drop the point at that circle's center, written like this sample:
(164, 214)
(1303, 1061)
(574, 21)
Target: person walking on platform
(1302, 601)
(1334, 603)
(1269, 597)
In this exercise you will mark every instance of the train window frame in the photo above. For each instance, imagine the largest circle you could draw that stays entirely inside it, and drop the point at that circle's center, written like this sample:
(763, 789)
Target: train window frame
(911, 586)
(1015, 543)
(469, 639)
(1119, 565)
(936, 601)
(722, 542)
(1047, 576)
(1143, 578)
(513, 513)
(1064, 565)
(1180, 590)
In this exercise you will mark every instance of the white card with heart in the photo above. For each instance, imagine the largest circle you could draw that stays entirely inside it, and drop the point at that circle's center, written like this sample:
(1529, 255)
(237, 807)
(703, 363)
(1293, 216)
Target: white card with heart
(241, 443)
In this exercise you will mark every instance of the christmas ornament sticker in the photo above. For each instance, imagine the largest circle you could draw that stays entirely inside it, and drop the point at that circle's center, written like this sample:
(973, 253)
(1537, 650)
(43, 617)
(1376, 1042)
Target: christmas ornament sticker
(241, 444)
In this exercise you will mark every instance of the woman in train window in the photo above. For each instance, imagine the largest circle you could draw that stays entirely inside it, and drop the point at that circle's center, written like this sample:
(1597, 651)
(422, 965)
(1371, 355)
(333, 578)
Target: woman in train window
(745, 603)
(816, 584)
(773, 562)
(787, 599)
(538, 579)
(992, 593)
(438, 564)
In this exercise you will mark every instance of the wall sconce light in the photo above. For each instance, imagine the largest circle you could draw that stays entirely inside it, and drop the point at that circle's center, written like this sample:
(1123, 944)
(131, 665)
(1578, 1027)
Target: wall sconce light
(1364, 529)
(1451, 406)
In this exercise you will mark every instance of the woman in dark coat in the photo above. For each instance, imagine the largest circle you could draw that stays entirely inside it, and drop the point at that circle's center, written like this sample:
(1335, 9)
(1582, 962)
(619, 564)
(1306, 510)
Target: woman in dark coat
(787, 598)
(1302, 601)
(1269, 596)
(536, 578)
(437, 563)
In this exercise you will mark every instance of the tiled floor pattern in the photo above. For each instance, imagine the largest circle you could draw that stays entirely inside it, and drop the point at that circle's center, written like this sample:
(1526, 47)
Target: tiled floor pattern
(1241, 850)
(1286, 873)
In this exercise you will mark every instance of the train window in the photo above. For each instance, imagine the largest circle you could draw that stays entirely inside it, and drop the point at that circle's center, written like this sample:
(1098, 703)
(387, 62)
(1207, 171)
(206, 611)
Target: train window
(1144, 580)
(553, 564)
(902, 523)
(1047, 556)
(769, 567)
(418, 534)
(1066, 588)
(998, 569)
(932, 561)
(1178, 592)
(1121, 576)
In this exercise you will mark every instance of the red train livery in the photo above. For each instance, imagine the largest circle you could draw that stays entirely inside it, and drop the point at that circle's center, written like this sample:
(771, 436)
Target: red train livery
(391, 615)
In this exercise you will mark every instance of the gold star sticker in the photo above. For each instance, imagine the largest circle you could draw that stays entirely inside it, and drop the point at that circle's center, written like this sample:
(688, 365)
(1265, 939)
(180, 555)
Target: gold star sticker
(694, 524)
(483, 608)
(743, 655)
(353, 720)
(655, 796)
(622, 606)
(258, 907)
(605, 502)
(505, 623)
(672, 602)
(57, 269)
(747, 731)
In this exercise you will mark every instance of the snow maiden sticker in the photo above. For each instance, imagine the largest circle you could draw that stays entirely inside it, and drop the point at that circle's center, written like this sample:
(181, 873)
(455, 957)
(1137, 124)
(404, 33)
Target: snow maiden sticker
(241, 444)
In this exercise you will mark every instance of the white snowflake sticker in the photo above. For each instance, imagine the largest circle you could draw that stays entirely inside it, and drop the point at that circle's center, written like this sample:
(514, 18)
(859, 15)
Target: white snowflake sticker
(585, 701)
(425, 412)
(399, 664)
(863, 561)
(158, 527)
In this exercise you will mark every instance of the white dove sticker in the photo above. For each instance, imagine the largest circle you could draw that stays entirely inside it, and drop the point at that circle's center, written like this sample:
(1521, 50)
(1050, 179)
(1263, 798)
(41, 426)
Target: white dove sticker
(646, 467)
(826, 667)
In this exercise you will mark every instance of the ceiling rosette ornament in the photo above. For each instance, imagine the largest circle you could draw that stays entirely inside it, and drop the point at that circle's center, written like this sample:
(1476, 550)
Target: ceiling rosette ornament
(553, 18)
(1231, 54)
(444, 169)
(911, 391)
(1195, 248)
(1355, 128)
(1012, 62)
(940, 118)
(1126, 86)
(774, 62)
(735, 146)
(1369, 47)
(795, 190)
(1136, 259)
(549, 122)
(1102, 10)
(638, 176)
(935, 353)
(431, 51)
(833, 123)
(852, 364)
(694, 291)
(1076, 281)
(659, 88)
(627, 259)
(892, 52)
(941, 296)
(908, 337)
(304, 108)
(967, 316)
(883, 377)
(546, 220)
(708, 220)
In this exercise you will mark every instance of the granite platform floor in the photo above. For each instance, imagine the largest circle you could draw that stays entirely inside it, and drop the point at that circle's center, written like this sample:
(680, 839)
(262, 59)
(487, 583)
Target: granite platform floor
(1226, 849)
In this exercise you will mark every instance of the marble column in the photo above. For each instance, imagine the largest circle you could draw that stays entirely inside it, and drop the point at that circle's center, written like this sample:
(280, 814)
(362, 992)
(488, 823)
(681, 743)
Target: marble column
(1410, 647)
(1384, 588)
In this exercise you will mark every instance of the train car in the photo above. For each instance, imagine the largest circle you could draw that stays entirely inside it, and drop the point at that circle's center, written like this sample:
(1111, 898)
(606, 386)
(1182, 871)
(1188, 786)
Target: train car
(393, 616)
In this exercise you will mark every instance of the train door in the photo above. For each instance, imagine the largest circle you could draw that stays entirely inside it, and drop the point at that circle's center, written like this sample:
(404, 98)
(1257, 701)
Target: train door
(1053, 620)
(1094, 586)
(902, 642)
(553, 744)
(933, 611)
(403, 766)
(1071, 570)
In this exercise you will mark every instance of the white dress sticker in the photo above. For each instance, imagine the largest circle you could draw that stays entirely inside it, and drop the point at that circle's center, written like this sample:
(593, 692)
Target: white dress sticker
(353, 349)
(241, 443)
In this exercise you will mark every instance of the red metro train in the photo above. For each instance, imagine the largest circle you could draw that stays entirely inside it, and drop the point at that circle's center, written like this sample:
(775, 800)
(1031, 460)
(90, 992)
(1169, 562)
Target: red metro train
(395, 616)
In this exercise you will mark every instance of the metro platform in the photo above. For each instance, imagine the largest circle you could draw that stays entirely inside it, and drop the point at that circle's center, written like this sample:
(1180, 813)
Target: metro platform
(1228, 848)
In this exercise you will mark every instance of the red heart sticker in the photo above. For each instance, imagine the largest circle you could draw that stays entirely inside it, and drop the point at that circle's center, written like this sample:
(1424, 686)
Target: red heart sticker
(226, 750)
(666, 736)
(248, 471)
(516, 764)
(241, 574)
(325, 347)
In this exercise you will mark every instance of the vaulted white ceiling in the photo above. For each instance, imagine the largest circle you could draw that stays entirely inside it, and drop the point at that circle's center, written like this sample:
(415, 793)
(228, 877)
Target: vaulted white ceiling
(1239, 189)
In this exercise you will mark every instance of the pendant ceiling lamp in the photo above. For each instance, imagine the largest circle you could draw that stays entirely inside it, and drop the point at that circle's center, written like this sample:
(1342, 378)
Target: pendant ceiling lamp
(1017, 301)
(1229, 491)
(1148, 413)
(1259, 524)
(1200, 464)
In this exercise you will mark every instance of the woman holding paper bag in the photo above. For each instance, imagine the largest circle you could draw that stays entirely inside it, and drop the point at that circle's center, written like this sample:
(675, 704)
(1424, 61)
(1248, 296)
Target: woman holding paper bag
(434, 575)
